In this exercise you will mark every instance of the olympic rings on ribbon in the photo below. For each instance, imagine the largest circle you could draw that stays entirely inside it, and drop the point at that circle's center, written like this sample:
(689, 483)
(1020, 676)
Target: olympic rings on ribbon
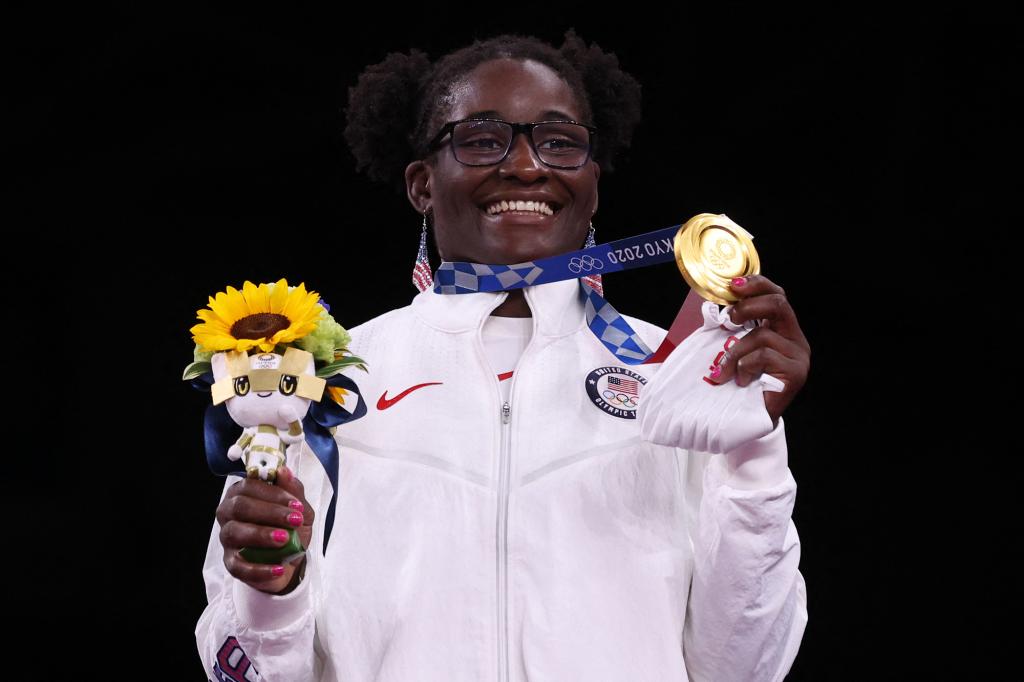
(585, 263)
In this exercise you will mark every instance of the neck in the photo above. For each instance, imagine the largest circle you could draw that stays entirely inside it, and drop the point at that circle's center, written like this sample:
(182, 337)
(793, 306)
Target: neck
(513, 306)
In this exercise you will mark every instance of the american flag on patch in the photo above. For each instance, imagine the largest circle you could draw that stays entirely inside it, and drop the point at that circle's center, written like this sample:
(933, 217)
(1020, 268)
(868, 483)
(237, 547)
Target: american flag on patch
(627, 386)
(421, 276)
(594, 282)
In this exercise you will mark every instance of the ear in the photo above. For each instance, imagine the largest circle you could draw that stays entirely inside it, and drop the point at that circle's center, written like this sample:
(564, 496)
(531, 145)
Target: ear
(417, 185)
(597, 176)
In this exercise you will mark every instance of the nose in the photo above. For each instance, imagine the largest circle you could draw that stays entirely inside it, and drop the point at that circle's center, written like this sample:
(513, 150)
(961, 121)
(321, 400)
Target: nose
(521, 160)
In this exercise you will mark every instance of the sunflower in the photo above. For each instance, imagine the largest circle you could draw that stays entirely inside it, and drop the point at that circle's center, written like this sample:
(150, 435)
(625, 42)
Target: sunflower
(264, 316)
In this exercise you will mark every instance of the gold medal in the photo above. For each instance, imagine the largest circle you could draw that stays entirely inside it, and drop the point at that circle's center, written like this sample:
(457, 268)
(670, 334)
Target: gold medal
(710, 251)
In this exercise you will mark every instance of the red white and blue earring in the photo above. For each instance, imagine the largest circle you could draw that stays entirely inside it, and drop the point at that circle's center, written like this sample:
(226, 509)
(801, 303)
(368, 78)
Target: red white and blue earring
(593, 281)
(422, 278)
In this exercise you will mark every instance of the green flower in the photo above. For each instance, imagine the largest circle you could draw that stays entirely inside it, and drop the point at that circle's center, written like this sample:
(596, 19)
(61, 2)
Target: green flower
(322, 341)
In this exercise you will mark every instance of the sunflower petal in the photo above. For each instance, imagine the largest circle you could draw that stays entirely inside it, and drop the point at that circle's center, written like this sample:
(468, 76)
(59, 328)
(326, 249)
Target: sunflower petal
(279, 295)
(305, 311)
(205, 330)
(211, 318)
(291, 304)
(230, 306)
(245, 344)
(215, 342)
(311, 314)
(239, 307)
(256, 297)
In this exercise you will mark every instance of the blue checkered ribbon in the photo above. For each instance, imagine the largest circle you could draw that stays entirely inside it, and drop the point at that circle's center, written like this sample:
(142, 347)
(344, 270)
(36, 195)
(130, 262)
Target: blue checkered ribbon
(607, 324)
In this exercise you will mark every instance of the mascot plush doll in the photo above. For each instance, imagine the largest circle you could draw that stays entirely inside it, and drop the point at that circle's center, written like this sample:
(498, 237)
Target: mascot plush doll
(267, 394)
(271, 357)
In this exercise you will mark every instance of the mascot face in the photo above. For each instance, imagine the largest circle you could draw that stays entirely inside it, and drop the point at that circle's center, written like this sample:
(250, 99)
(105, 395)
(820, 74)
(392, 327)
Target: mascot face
(264, 387)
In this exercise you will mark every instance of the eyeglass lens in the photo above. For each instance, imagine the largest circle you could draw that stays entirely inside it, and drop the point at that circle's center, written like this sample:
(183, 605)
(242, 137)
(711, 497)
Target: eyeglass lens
(480, 143)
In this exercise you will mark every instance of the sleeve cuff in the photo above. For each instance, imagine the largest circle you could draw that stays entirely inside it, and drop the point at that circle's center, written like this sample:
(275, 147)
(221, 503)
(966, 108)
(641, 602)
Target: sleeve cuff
(757, 464)
(264, 612)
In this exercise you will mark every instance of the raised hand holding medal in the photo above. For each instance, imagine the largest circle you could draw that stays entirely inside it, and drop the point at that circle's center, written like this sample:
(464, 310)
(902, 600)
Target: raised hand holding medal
(718, 260)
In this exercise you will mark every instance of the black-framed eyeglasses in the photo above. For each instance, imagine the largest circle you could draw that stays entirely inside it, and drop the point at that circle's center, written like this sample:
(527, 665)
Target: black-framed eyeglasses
(486, 141)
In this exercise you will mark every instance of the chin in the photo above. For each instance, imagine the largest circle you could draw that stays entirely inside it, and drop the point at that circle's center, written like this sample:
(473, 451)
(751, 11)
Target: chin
(523, 250)
(523, 253)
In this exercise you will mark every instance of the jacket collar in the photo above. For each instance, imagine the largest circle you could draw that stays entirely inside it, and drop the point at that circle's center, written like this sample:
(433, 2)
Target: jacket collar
(558, 307)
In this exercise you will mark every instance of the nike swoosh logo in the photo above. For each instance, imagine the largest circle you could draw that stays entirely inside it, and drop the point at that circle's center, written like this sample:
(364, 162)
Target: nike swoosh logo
(383, 403)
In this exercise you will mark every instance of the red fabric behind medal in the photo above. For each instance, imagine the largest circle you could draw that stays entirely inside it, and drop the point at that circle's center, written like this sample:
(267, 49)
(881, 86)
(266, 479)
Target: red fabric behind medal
(687, 320)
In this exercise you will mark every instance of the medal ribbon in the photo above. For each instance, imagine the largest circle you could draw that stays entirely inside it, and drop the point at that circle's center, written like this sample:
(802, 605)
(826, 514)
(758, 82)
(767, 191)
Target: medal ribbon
(604, 321)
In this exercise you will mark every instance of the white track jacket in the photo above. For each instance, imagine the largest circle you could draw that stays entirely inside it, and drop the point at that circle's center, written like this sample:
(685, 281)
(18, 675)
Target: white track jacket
(539, 540)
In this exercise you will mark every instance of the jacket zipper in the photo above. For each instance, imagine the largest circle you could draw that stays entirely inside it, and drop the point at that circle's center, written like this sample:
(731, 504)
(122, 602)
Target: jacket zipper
(502, 538)
(504, 468)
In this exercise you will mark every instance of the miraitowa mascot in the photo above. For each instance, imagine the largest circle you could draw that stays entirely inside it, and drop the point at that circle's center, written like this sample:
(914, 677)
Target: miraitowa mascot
(271, 357)
(267, 394)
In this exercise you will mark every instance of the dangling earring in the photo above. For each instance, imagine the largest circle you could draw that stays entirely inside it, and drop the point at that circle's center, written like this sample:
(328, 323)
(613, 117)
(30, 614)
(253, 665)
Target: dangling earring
(593, 281)
(422, 278)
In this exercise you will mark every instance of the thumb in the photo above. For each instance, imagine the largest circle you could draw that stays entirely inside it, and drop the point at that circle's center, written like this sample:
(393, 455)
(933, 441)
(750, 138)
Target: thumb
(290, 483)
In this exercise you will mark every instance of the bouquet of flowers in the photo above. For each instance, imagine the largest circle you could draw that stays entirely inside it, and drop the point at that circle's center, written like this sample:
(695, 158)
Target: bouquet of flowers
(271, 357)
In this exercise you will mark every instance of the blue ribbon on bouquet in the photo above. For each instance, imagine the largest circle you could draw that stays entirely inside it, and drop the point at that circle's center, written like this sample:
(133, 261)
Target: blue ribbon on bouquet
(604, 321)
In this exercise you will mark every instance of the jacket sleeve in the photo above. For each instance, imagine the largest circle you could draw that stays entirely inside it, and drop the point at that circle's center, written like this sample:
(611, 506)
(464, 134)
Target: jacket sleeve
(747, 607)
(245, 634)
(748, 604)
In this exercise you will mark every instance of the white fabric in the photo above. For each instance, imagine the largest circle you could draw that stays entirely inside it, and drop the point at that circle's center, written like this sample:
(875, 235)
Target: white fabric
(560, 545)
(681, 409)
(505, 339)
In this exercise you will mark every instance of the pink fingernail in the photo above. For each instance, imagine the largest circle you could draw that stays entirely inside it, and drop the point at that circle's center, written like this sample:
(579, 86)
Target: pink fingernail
(295, 518)
(716, 371)
(296, 505)
(739, 281)
(278, 571)
(279, 535)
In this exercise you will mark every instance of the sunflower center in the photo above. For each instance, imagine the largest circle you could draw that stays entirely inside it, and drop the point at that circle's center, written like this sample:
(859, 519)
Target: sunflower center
(259, 326)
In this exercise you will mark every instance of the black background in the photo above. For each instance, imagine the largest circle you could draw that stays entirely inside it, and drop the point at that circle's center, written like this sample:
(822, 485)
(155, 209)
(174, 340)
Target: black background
(869, 153)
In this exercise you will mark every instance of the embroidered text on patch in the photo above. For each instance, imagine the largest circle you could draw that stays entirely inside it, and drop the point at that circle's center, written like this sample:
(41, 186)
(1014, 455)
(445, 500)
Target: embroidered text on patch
(615, 390)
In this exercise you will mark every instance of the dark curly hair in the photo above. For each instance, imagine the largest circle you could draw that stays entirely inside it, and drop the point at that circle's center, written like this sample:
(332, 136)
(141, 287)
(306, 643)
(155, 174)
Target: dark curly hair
(397, 104)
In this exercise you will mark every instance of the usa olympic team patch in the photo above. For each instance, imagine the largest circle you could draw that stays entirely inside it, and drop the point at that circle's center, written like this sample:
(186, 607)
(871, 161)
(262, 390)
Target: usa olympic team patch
(615, 390)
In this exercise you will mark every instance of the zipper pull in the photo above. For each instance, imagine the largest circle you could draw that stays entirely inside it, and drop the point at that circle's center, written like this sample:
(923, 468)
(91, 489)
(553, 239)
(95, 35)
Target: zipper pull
(506, 412)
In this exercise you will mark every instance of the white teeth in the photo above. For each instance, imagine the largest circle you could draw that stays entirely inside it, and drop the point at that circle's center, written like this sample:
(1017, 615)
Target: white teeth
(536, 206)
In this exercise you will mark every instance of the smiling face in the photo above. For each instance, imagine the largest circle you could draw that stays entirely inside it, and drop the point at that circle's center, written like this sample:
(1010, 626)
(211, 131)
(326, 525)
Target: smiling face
(459, 196)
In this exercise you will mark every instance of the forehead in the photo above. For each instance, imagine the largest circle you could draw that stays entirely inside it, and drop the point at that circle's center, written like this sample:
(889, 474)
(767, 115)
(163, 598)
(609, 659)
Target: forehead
(514, 90)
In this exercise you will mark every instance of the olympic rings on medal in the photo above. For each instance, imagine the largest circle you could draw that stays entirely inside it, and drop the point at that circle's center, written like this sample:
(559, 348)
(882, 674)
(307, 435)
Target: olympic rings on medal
(585, 263)
(618, 398)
